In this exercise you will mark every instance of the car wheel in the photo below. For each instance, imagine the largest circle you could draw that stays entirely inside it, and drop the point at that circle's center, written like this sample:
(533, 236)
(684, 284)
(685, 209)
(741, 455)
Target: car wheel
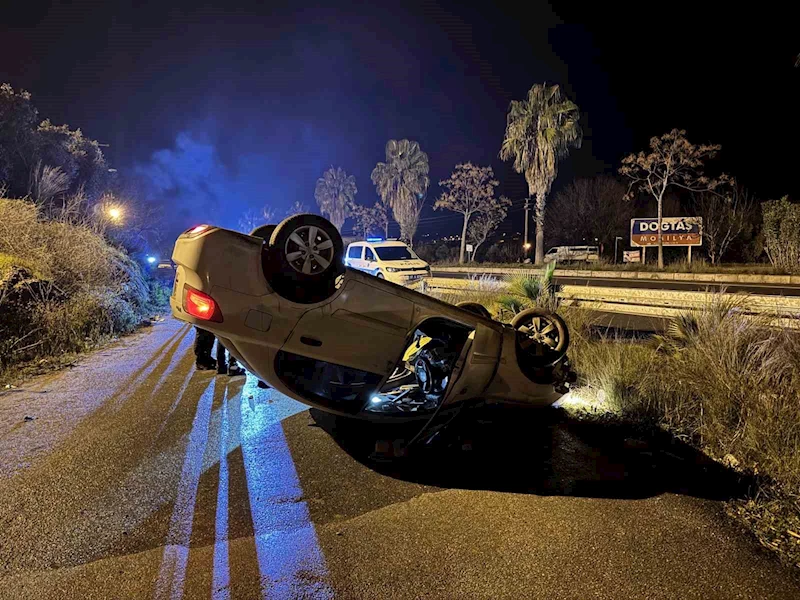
(542, 337)
(380, 276)
(264, 231)
(306, 256)
(475, 308)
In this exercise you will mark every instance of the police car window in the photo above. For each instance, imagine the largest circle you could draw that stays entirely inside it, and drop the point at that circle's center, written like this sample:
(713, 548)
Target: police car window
(354, 252)
(369, 255)
(394, 253)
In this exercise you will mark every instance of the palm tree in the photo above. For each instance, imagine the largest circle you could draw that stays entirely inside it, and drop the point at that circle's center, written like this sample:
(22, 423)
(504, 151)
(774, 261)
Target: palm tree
(540, 131)
(335, 193)
(402, 183)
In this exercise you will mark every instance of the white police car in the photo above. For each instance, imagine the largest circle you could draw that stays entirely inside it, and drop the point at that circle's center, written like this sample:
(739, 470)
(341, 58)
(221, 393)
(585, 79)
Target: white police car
(392, 260)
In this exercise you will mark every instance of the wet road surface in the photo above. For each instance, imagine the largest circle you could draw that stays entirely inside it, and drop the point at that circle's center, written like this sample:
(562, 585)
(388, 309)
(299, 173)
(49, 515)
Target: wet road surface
(138, 477)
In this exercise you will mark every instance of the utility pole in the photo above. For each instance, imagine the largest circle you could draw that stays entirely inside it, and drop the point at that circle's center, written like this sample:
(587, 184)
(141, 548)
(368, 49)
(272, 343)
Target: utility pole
(526, 245)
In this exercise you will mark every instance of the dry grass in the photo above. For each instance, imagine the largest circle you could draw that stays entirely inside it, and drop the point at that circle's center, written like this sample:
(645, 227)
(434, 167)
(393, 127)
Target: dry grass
(724, 382)
(63, 287)
(698, 265)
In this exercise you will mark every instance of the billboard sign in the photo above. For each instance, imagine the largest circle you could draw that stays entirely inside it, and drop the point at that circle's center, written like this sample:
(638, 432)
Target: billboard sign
(631, 256)
(675, 231)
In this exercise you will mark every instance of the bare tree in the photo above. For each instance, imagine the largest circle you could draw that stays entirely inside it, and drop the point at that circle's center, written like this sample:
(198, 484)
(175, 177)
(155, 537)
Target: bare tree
(589, 208)
(672, 161)
(268, 214)
(725, 217)
(249, 220)
(469, 190)
(366, 218)
(298, 208)
(484, 224)
(382, 216)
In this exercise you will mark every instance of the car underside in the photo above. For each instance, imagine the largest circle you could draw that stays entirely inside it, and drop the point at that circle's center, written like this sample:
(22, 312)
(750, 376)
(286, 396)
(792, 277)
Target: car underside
(349, 343)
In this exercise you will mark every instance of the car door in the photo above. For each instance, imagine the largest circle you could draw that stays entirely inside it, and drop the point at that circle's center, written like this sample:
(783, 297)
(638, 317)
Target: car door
(364, 328)
(354, 253)
(370, 261)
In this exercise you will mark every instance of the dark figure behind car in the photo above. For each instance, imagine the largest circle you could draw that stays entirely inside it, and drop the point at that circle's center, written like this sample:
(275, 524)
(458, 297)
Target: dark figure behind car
(203, 344)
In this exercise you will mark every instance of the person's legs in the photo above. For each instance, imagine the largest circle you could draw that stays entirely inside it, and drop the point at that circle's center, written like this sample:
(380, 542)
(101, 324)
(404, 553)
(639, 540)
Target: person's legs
(203, 343)
(222, 366)
(231, 367)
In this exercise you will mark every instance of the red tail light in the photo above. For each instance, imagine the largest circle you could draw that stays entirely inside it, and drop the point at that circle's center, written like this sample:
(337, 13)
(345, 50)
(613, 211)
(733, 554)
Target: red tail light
(201, 305)
(196, 230)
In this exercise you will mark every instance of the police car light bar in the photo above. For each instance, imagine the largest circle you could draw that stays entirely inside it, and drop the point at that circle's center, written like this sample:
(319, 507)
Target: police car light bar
(374, 239)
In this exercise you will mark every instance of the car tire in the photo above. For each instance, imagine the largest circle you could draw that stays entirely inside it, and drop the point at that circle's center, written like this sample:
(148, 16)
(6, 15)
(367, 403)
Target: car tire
(542, 337)
(303, 270)
(380, 276)
(264, 231)
(475, 308)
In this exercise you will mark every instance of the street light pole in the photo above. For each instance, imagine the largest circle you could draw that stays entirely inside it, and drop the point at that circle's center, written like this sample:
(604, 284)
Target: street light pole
(616, 239)
(526, 245)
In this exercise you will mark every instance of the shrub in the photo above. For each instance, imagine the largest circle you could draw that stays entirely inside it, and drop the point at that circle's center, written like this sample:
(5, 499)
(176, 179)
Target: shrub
(503, 253)
(528, 291)
(782, 233)
(745, 380)
(63, 287)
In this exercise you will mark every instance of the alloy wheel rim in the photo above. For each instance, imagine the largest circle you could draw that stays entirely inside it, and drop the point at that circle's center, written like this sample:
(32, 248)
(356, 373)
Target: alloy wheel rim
(541, 333)
(309, 250)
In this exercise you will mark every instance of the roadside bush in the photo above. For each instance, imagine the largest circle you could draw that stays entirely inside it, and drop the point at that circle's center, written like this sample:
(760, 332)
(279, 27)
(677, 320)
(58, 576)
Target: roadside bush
(782, 233)
(745, 380)
(63, 287)
(426, 252)
(720, 379)
(503, 253)
(529, 291)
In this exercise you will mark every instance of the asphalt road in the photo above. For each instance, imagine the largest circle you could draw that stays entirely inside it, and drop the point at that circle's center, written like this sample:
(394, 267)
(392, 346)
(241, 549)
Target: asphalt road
(137, 477)
(655, 284)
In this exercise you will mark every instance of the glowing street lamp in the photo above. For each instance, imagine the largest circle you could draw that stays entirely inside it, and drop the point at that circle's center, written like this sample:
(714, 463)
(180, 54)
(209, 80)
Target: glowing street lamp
(114, 213)
(151, 259)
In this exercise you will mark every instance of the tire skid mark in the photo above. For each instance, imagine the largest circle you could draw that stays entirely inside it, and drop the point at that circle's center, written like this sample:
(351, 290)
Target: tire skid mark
(177, 355)
(161, 358)
(178, 397)
(172, 572)
(221, 581)
(290, 561)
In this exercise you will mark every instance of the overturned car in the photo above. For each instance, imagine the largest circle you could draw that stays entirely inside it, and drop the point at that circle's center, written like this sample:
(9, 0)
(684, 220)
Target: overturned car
(284, 304)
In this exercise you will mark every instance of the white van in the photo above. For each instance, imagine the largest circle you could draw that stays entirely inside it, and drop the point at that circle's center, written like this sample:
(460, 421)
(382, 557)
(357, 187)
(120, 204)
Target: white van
(572, 253)
(392, 260)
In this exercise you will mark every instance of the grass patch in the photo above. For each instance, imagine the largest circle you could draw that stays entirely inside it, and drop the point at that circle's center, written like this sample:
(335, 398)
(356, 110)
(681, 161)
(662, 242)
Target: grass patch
(63, 289)
(729, 385)
(698, 266)
(724, 382)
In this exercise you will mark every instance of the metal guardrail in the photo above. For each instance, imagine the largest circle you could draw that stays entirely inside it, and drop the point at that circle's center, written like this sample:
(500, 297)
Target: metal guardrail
(783, 311)
(793, 280)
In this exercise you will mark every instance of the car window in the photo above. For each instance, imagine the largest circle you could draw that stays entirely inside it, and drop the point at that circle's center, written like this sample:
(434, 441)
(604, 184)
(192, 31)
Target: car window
(369, 255)
(395, 253)
(354, 252)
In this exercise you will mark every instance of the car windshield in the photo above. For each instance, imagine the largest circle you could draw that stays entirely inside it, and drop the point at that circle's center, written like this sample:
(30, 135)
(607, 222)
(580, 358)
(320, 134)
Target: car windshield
(395, 253)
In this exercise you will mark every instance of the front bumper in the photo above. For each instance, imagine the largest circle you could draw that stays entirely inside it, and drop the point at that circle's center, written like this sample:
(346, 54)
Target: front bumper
(406, 277)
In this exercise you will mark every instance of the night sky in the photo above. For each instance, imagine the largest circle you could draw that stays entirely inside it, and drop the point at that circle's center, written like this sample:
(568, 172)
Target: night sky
(219, 107)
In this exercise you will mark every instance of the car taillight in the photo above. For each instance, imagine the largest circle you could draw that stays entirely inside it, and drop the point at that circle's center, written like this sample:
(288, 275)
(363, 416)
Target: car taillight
(196, 230)
(201, 305)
